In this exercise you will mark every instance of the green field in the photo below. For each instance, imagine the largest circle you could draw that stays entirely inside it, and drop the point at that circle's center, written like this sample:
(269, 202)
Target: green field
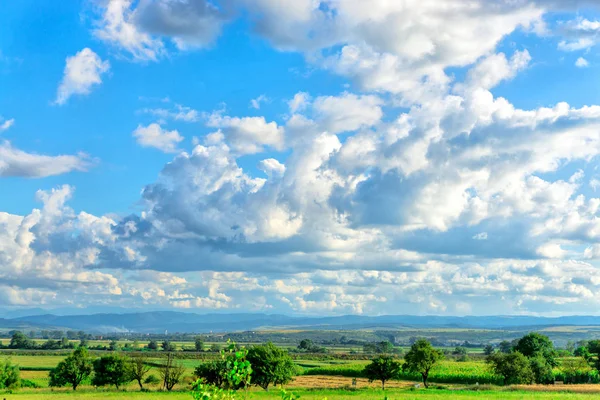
(317, 395)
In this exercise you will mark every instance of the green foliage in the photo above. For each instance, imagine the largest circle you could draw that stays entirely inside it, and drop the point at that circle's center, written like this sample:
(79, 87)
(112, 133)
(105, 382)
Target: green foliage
(382, 368)
(421, 358)
(168, 346)
(270, 365)
(582, 351)
(138, 368)
(171, 372)
(235, 370)
(9, 375)
(199, 344)
(575, 370)
(111, 370)
(211, 373)
(505, 347)
(460, 351)
(542, 370)
(72, 370)
(152, 345)
(535, 344)
(594, 348)
(20, 341)
(513, 367)
(151, 380)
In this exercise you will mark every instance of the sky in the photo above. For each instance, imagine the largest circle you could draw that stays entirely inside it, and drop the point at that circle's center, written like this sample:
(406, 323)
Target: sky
(301, 157)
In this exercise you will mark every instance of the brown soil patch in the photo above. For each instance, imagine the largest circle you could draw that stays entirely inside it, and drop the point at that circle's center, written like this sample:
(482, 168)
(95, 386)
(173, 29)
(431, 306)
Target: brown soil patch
(336, 382)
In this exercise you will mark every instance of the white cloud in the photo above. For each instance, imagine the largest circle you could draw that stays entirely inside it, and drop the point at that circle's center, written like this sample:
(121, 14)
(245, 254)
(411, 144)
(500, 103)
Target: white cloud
(5, 124)
(299, 102)
(155, 136)
(177, 112)
(138, 28)
(582, 63)
(247, 135)
(480, 236)
(17, 163)
(347, 112)
(255, 103)
(581, 34)
(83, 71)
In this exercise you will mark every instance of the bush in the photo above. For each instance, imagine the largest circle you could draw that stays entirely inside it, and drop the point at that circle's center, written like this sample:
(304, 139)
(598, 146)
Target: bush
(9, 375)
(151, 380)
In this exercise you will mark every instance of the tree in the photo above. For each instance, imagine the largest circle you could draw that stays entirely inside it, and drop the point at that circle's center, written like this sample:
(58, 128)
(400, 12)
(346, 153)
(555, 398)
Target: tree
(72, 370)
(575, 370)
(199, 344)
(137, 368)
(542, 370)
(211, 372)
(421, 358)
(535, 344)
(385, 347)
(513, 367)
(110, 370)
(171, 372)
(594, 348)
(113, 345)
(582, 351)
(382, 368)
(488, 350)
(306, 344)
(20, 341)
(505, 347)
(460, 351)
(167, 345)
(270, 365)
(9, 375)
(83, 342)
(215, 348)
(153, 345)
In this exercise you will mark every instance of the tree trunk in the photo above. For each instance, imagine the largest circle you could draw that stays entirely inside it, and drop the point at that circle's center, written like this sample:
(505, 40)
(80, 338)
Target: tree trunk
(425, 380)
(382, 385)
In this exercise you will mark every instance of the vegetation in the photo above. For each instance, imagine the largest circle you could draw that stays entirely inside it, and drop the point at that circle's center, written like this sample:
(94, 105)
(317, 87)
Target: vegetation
(382, 368)
(138, 368)
(171, 372)
(421, 358)
(73, 370)
(9, 375)
(270, 365)
(111, 370)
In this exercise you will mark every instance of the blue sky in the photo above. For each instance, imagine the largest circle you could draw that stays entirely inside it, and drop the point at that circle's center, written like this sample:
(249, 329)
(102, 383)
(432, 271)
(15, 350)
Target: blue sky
(300, 156)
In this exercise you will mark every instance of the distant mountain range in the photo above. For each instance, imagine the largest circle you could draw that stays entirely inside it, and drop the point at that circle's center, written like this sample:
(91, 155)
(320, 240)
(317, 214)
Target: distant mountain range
(159, 321)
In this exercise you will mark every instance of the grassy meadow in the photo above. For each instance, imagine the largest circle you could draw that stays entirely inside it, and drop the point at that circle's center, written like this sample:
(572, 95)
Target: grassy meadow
(319, 379)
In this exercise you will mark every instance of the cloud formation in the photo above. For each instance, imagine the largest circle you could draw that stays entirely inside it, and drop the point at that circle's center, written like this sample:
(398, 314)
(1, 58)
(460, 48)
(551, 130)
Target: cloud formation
(418, 189)
(83, 71)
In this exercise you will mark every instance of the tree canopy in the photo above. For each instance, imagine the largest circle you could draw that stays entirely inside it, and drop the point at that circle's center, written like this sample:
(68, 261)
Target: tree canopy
(421, 358)
(270, 365)
(72, 370)
(382, 368)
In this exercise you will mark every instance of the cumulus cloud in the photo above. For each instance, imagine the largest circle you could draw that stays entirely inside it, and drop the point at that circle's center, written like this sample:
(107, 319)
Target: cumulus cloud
(255, 103)
(138, 28)
(156, 136)
(347, 112)
(83, 71)
(247, 135)
(581, 34)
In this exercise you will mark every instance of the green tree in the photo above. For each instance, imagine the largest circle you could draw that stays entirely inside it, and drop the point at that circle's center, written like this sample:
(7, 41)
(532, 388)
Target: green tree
(582, 351)
(9, 375)
(153, 345)
(382, 368)
(594, 348)
(488, 350)
(505, 347)
(113, 345)
(138, 368)
(385, 347)
(513, 367)
(110, 370)
(306, 344)
(542, 370)
(171, 372)
(199, 344)
(211, 373)
(215, 348)
(535, 344)
(167, 345)
(460, 351)
(20, 341)
(421, 358)
(72, 370)
(270, 365)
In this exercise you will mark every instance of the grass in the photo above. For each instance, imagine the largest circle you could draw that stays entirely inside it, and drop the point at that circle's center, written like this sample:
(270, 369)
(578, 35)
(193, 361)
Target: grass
(401, 394)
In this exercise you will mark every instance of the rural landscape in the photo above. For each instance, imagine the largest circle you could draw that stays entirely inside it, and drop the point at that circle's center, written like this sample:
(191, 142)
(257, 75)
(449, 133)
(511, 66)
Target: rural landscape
(426, 360)
(299, 199)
